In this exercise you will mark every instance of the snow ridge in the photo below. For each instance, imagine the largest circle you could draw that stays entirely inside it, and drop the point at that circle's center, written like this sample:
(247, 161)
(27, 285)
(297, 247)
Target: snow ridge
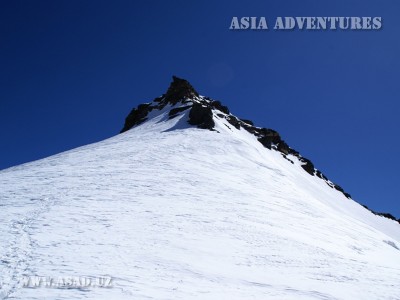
(203, 111)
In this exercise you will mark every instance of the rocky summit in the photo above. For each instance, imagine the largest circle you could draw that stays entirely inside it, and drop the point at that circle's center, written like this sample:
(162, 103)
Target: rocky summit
(202, 111)
(181, 97)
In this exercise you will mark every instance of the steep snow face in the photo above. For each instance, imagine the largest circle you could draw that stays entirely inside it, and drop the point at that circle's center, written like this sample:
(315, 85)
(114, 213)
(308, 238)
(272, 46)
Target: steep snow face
(170, 211)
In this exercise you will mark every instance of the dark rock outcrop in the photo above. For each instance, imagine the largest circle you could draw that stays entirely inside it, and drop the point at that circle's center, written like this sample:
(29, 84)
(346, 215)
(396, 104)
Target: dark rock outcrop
(220, 107)
(386, 215)
(247, 121)
(235, 122)
(320, 175)
(178, 90)
(308, 166)
(136, 116)
(201, 116)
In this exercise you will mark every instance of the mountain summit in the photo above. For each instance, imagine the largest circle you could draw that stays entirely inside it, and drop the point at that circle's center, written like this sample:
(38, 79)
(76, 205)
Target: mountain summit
(189, 202)
(180, 89)
(203, 112)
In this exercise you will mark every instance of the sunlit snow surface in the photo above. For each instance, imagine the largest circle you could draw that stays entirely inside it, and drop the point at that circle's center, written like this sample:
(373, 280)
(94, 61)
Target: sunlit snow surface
(173, 212)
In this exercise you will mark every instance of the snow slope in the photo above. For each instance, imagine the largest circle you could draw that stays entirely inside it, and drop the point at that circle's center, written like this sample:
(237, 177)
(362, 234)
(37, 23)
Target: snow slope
(170, 211)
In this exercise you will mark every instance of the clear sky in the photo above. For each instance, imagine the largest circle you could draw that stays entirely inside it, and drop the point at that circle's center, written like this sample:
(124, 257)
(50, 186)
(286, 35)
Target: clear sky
(72, 70)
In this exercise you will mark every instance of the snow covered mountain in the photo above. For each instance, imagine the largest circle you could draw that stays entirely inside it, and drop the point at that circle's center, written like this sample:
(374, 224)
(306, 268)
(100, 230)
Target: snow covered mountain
(189, 202)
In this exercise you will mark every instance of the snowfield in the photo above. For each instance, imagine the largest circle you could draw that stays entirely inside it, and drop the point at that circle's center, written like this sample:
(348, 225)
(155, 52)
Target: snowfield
(169, 211)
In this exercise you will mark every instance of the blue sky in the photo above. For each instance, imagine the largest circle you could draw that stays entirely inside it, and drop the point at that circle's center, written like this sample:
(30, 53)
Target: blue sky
(72, 70)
